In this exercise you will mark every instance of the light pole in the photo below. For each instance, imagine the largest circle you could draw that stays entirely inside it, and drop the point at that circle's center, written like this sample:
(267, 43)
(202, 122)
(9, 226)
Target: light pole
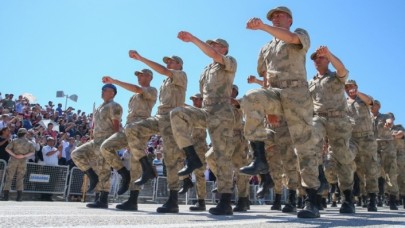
(71, 97)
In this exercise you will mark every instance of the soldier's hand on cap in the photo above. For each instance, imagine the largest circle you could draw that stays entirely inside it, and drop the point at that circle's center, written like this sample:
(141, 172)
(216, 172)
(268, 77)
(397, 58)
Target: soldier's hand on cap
(323, 51)
(134, 55)
(251, 79)
(107, 80)
(254, 23)
(185, 36)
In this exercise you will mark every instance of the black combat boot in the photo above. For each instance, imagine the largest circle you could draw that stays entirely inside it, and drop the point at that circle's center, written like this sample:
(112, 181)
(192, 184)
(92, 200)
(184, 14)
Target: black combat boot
(371, 203)
(5, 195)
(147, 171)
(403, 201)
(347, 205)
(96, 196)
(93, 178)
(300, 203)
(266, 182)
(126, 178)
(319, 202)
(19, 196)
(380, 200)
(381, 183)
(192, 161)
(242, 205)
(259, 164)
(291, 204)
(199, 206)
(187, 184)
(322, 179)
(364, 201)
(131, 204)
(311, 208)
(224, 206)
(102, 202)
(392, 202)
(171, 205)
(277, 203)
(359, 202)
(323, 202)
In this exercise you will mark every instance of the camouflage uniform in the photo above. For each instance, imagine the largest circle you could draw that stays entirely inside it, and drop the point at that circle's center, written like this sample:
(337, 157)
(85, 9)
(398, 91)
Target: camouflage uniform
(363, 137)
(103, 129)
(172, 95)
(216, 115)
(239, 155)
(199, 137)
(288, 96)
(400, 146)
(387, 152)
(139, 108)
(16, 166)
(331, 120)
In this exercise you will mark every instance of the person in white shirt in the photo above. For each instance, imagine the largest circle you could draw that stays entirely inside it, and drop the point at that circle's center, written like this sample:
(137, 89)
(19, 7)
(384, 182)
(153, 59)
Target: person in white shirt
(32, 138)
(50, 152)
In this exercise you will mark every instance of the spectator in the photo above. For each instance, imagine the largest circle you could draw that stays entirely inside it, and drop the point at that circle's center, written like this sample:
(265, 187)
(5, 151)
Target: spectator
(5, 119)
(51, 156)
(68, 151)
(50, 132)
(59, 109)
(33, 138)
(5, 139)
(157, 162)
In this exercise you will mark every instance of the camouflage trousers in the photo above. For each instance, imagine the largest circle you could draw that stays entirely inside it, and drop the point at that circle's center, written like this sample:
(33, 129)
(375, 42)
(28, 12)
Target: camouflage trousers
(138, 134)
(367, 165)
(109, 150)
(201, 148)
(86, 154)
(18, 168)
(387, 154)
(282, 153)
(239, 159)
(219, 120)
(338, 131)
(296, 107)
(401, 168)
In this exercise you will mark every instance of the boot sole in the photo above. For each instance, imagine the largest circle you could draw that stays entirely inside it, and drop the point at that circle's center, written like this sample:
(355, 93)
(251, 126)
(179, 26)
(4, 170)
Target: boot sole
(307, 214)
(167, 211)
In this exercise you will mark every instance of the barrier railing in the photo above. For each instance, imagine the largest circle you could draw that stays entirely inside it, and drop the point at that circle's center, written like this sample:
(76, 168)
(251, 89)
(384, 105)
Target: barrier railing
(44, 179)
(3, 165)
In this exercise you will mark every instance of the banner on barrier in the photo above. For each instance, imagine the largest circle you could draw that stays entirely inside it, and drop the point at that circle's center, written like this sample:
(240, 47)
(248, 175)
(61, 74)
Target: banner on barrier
(40, 178)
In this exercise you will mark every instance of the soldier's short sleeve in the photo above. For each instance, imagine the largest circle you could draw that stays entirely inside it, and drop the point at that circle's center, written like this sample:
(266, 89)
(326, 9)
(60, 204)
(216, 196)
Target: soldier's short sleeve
(229, 63)
(10, 146)
(261, 64)
(179, 78)
(149, 93)
(304, 38)
(116, 111)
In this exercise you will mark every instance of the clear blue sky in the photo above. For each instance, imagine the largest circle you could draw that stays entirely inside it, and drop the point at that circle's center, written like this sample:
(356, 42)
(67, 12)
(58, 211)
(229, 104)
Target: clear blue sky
(48, 45)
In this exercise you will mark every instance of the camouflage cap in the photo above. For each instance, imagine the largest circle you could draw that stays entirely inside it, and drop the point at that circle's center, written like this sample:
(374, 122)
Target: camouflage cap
(196, 96)
(351, 82)
(219, 41)
(377, 102)
(22, 131)
(144, 71)
(173, 57)
(235, 87)
(279, 9)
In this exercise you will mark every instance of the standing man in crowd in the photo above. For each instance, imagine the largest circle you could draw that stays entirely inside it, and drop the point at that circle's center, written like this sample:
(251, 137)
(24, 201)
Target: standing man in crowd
(327, 89)
(216, 115)
(19, 149)
(386, 151)
(172, 95)
(107, 120)
(139, 108)
(282, 64)
(367, 167)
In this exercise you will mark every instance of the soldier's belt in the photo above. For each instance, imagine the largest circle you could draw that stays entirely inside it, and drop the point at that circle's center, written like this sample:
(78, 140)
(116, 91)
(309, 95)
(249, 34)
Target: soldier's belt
(214, 101)
(288, 84)
(331, 114)
(362, 134)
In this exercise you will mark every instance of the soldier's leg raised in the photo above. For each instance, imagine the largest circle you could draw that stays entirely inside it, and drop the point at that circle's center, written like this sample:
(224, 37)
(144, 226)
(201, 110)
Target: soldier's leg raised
(82, 157)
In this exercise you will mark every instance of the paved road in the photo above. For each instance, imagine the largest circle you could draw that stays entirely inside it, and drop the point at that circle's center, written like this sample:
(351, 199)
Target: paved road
(64, 214)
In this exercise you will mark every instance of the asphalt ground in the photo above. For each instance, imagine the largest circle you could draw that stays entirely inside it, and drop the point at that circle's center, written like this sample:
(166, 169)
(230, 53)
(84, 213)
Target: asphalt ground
(75, 214)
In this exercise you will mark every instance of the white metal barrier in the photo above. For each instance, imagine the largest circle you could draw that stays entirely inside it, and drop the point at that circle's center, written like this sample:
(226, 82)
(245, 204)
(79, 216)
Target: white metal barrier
(44, 179)
(3, 165)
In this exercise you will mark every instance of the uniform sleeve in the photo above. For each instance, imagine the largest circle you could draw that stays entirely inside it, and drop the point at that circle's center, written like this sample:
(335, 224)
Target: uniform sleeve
(149, 93)
(261, 64)
(304, 38)
(10, 146)
(229, 63)
(116, 112)
(179, 78)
